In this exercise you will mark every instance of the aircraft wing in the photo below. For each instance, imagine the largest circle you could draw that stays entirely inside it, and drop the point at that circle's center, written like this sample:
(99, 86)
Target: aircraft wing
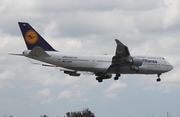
(122, 51)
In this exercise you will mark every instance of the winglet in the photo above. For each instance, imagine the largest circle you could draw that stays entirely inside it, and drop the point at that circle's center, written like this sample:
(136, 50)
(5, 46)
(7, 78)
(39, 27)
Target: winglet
(121, 49)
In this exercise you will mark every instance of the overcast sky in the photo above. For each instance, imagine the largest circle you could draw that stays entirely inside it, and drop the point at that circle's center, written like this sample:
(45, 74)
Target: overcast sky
(147, 27)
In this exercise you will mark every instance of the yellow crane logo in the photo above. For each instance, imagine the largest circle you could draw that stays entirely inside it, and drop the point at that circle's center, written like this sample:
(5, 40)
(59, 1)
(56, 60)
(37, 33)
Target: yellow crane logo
(31, 37)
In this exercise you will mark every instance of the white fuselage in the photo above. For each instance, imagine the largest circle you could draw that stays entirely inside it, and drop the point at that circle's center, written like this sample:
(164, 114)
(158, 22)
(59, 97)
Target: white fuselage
(103, 66)
(99, 63)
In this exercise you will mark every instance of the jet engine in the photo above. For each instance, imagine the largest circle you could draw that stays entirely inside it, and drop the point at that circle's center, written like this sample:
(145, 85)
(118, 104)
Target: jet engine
(140, 69)
(134, 61)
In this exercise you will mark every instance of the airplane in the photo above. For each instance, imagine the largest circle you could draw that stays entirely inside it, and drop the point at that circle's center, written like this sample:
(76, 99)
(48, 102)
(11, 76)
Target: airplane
(102, 66)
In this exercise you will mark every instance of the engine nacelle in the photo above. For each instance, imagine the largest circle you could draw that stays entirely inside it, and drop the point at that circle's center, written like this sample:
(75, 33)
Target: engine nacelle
(140, 69)
(134, 61)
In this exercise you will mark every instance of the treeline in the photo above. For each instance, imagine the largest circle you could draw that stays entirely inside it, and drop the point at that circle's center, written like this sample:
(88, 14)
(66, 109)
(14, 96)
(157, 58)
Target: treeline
(83, 113)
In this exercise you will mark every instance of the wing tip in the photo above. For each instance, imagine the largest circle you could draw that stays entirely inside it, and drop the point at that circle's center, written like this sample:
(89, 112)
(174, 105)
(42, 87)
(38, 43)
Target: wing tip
(118, 42)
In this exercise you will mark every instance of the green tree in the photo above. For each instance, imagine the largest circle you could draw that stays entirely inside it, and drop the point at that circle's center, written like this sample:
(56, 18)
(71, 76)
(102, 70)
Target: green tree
(44, 116)
(84, 113)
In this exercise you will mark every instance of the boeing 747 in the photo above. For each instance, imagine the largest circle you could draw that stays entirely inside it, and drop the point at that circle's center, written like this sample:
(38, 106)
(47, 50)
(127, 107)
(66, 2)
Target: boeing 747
(102, 66)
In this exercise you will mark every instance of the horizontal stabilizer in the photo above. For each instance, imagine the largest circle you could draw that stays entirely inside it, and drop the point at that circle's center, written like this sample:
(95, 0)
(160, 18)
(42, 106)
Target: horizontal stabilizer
(16, 54)
(39, 52)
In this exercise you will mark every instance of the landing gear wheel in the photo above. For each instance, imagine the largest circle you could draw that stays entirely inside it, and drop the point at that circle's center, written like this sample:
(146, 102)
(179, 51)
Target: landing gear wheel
(158, 79)
(116, 78)
(100, 80)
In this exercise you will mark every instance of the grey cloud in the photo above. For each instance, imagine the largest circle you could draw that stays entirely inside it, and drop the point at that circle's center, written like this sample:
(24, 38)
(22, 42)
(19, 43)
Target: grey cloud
(93, 5)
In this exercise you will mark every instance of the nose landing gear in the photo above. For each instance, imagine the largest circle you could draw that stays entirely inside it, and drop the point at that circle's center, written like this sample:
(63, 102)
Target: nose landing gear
(158, 79)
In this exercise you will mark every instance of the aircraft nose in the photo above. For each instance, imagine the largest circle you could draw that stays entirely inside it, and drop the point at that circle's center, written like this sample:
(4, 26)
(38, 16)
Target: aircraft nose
(170, 67)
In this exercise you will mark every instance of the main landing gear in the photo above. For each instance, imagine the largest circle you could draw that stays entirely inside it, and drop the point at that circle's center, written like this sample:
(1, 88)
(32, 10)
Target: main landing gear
(100, 78)
(117, 76)
(158, 79)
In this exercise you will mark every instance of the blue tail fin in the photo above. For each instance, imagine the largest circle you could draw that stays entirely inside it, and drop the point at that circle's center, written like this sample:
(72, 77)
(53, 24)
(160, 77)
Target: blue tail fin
(33, 39)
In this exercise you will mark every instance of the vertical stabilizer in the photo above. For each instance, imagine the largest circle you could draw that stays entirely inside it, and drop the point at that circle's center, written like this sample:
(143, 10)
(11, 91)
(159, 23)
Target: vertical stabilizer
(33, 39)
